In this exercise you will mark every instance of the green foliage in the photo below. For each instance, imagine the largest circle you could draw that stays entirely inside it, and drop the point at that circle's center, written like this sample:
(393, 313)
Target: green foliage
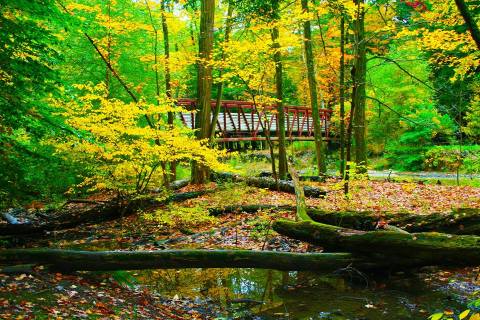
(425, 128)
(125, 279)
(472, 129)
(397, 90)
(180, 217)
(29, 169)
(450, 158)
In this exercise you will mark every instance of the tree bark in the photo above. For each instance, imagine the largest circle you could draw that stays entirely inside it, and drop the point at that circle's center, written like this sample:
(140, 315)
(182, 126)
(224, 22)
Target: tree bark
(301, 209)
(282, 149)
(342, 95)
(312, 83)
(395, 248)
(200, 173)
(101, 212)
(10, 219)
(459, 221)
(168, 79)
(359, 83)
(168, 259)
(271, 184)
(469, 21)
(348, 154)
(220, 85)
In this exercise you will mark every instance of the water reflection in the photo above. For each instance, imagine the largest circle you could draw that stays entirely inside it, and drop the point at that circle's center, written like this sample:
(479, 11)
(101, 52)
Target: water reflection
(270, 294)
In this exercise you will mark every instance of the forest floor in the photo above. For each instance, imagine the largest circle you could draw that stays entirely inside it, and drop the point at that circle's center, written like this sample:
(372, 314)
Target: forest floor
(39, 294)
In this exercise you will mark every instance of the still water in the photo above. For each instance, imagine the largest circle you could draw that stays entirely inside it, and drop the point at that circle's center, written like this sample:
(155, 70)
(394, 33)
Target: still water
(270, 294)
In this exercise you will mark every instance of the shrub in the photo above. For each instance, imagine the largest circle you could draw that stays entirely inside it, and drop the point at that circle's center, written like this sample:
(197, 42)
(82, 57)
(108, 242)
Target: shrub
(450, 158)
(427, 127)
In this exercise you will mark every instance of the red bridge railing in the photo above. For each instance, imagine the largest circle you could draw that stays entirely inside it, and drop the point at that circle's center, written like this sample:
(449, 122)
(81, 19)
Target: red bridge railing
(241, 121)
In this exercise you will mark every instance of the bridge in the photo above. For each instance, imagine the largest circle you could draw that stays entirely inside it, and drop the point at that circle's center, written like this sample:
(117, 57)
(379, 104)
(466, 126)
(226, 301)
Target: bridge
(241, 121)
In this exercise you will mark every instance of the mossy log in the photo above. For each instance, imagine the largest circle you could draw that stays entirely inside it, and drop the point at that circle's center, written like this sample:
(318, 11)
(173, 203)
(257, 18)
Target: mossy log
(394, 247)
(57, 259)
(270, 183)
(459, 221)
(268, 174)
(10, 218)
(100, 212)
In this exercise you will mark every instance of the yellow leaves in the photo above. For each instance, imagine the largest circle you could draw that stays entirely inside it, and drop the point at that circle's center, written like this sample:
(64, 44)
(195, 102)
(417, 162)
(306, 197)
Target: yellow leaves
(6, 78)
(82, 7)
(476, 316)
(464, 314)
(125, 150)
(442, 37)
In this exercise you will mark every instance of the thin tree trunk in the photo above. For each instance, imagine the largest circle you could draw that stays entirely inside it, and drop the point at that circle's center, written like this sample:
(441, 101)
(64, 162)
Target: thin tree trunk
(163, 165)
(349, 136)
(271, 184)
(312, 83)
(359, 82)
(282, 149)
(342, 96)
(200, 173)
(266, 131)
(469, 21)
(110, 67)
(168, 84)
(109, 49)
(218, 102)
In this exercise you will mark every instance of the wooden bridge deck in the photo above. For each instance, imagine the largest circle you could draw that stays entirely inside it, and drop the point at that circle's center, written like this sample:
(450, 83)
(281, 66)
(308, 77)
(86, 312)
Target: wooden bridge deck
(241, 121)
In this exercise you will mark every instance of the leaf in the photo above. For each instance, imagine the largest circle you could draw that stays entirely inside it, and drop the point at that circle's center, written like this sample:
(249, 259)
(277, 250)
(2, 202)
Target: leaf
(476, 316)
(464, 314)
(436, 316)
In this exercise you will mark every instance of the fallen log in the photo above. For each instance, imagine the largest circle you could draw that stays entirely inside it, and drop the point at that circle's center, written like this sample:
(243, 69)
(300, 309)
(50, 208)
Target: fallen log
(269, 183)
(396, 248)
(459, 221)
(179, 184)
(10, 218)
(102, 211)
(57, 259)
(265, 174)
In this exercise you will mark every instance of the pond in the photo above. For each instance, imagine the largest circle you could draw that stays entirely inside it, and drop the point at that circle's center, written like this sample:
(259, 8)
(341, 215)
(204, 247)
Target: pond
(270, 294)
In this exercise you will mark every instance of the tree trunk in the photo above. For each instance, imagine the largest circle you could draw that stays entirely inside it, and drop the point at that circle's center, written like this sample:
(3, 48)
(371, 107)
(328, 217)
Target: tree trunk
(200, 173)
(348, 155)
(312, 83)
(282, 149)
(342, 96)
(459, 221)
(218, 102)
(271, 184)
(109, 49)
(174, 259)
(469, 21)
(101, 212)
(395, 248)
(360, 82)
(301, 209)
(168, 80)
(10, 218)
